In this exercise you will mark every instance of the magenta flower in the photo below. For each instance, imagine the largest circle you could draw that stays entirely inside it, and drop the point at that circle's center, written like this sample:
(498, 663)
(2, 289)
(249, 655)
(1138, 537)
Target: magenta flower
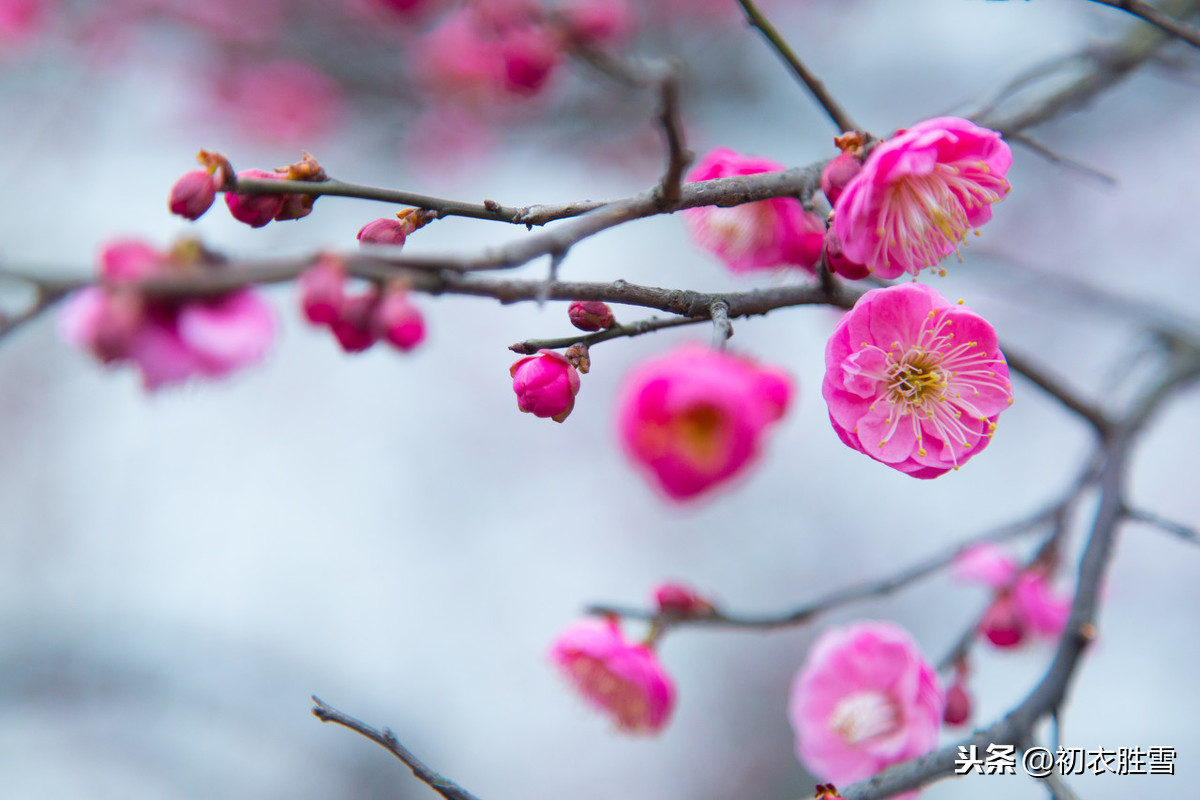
(168, 340)
(624, 680)
(920, 193)
(763, 235)
(546, 385)
(865, 699)
(1024, 601)
(915, 381)
(695, 418)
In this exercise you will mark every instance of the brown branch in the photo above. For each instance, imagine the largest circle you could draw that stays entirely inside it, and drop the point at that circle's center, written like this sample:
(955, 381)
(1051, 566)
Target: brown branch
(678, 156)
(1054, 387)
(1156, 17)
(833, 109)
(387, 740)
(1185, 532)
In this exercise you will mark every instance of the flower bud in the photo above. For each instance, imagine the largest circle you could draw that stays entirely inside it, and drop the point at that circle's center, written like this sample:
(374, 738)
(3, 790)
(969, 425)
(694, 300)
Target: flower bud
(546, 385)
(1002, 623)
(193, 194)
(256, 210)
(529, 54)
(354, 327)
(398, 321)
(384, 231)
(958, 703)
(590, 315)
(679, 600)
(118, 324)
(838, 173)
(322, 291)
(836, 261)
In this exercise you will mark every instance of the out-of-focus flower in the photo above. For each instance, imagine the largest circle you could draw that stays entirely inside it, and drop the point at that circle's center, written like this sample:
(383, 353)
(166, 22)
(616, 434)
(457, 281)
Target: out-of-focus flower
(398, 320)
(624, 680)
(958, 700)
(763, 235)
(920, 193)
(915, 381)
(590, 315)
(695, 417)
(168, 340)
(290, 102)
(596, 23)
(529, 53)
(865, 698)
(322, 291)
(355, 328)
(546, 384)
(22, 20)
(1024, 600)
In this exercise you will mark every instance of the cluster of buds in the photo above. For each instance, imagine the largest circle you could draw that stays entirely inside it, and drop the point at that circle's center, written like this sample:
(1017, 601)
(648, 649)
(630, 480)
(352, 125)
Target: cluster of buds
(169, 339)
(194, 192)
(359, 320)
(1023, 600)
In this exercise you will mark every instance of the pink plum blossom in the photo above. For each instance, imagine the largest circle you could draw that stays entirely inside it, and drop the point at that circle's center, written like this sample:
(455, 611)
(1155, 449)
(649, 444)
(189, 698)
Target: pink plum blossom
(920, 193)
(866, 698)
(168, 340)
(915, 381)
(762, 235)
(695, 418)
(596, 23)
(1024, 601)
(624, 680)
(22, 20)
(546, 384)
(987, 563)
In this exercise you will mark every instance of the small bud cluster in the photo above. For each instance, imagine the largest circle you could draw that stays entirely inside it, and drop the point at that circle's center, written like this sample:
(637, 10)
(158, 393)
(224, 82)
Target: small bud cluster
(359, 320)
(194, 192)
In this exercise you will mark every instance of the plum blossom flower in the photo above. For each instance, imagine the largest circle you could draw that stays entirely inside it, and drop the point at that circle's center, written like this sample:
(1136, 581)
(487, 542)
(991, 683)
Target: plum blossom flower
(920, 193)
(168, 340)
(865, 698)
(624, 680)
(695, 418)
(1024, 601)
(546, 384)
(915, 381)
(763, 235)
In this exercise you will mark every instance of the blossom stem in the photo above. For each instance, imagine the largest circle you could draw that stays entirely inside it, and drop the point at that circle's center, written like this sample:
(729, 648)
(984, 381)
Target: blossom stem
(833, 109)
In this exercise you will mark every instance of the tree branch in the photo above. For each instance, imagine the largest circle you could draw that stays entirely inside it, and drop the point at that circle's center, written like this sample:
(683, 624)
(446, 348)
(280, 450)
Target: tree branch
(841, 119)
(1156, 17)
(387, 740)
(531, 346)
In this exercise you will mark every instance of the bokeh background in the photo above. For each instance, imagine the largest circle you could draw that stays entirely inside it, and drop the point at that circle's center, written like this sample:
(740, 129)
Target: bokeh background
(179, 572)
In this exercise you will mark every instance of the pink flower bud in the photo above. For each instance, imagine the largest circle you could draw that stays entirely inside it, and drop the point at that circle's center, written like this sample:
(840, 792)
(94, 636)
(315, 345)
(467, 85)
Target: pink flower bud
(529, 54)
(322, 291)
(130, 260)
(624, 680)
(680, 600)
(354, 327)
(546, 385)
(588, 315)
(385, 231)
(836, 261)
(597, 22)
(958, 704)
(398, 321)
(193, 194)
(838, 173)
(1002, 623)
(256, 210)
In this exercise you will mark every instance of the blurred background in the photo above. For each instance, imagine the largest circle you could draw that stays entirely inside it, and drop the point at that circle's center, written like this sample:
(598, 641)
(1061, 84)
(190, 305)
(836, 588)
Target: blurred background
(180, 571)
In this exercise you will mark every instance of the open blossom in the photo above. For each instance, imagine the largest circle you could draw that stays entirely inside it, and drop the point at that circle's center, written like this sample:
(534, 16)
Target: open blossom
(865, 698)
(915, 381)
(763, 235)
(617, 677)
(695, 418)
(546, 384)
(168, 340)
(1024, 602)
(920, 193)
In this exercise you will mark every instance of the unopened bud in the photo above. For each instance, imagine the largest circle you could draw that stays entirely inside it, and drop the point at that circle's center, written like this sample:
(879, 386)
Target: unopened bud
(384, 231)
(193, 194)
(355, 325)
(256, 210)
(838, 173)
(836, 261)
(958, 704)
(322, 291)
(398, 321)
(1001, 623)
(680, 600)
(591, 315)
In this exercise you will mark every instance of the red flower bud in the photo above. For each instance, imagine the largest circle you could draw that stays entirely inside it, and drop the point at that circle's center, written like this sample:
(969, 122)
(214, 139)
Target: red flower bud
(398, 321)
(838, 173)
(355, 326)
(256, 210)
(590, 315)
(193, 194)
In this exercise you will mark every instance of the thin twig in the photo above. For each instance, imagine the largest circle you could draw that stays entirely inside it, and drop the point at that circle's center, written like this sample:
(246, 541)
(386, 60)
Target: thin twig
(387, 740)
(833, 109)
(1156, 17)
(1054, 387)
(531, 346)
(722, 327)
(1185, 532)
(678, 156)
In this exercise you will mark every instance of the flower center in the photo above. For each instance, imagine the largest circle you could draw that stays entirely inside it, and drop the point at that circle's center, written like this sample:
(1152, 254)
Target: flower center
(865, 715)
(916, 380)
(699, 434)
